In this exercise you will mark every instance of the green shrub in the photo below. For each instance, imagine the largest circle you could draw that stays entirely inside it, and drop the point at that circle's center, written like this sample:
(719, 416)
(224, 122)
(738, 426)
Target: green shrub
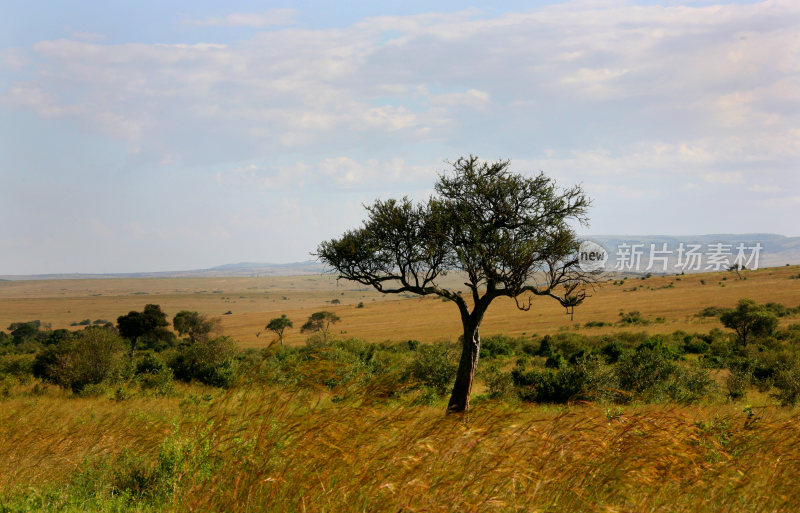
(695, 345)
(737, 383)
(153, 373)
(612, 352)
(711, 311)
(18, 367)
(554, 361)
(583, 381)
(210, 362)
(633, 317)
(545, 347)
(787, 384)
(644, 369)
(92, 357)
(498, 383)
(434, 366)
(495, 346)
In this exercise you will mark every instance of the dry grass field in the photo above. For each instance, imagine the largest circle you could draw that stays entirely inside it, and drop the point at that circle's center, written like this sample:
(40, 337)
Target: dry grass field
(260, 446)
(254, 301)
(258, 449)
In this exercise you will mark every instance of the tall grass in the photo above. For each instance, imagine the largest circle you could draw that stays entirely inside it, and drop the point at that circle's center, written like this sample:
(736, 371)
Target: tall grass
(273, 448)
(323, 456)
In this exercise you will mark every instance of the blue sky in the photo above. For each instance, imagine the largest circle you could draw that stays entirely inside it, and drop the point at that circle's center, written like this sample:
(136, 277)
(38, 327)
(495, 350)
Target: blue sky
(145, 136)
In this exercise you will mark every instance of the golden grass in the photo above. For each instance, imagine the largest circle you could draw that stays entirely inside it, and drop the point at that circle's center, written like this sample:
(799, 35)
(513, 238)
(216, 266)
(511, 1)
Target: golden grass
(357, 457)
(266, 449)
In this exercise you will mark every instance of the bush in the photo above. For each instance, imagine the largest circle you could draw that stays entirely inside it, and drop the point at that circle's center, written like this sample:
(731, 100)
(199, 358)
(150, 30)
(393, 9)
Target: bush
(644, 369)
(545, 348)
(651, 373)
(434, 366)
(210, 362)
(583, 381)
(611, 352)
(498, 345)
(694, 345)
(787, 383)
(89, 359)
(498, 383)
(711, 311)
(737, 383)
(633, 317)
(19, 367)
(554, 361)
(153, 373)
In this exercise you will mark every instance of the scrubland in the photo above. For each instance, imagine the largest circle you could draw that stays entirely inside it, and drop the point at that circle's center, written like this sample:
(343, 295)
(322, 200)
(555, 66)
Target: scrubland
(643, 402)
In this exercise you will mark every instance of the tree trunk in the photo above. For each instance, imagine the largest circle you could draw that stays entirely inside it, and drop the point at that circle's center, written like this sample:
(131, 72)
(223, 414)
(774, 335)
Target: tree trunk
(459, 399)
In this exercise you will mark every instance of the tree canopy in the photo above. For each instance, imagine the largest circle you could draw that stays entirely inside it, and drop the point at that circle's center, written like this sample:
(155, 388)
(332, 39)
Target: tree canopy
(320, 322)
(749, 319)
(194, 324)
(278, 325)
(508, 234)
(148, 325)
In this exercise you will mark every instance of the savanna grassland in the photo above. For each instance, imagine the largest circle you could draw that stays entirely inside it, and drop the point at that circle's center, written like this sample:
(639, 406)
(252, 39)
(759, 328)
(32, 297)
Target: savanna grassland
(660, 410)
(253, 301)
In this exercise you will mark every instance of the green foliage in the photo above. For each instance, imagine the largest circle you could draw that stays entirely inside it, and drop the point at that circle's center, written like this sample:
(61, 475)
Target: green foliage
(737, 383)
(24, 331)
(498, 345)
(434, 366)
(146, 329)
(208, 361)
(91, 358)
(711, 311)
(278, 325)
(554, 361)
(153, 373)
(499, 384)
(197, 326)
(643, 369)
(320, 322)
(582, 381)
(695, 345)
(630, 318)
(612, 351)
(749, 320)
(787, 384)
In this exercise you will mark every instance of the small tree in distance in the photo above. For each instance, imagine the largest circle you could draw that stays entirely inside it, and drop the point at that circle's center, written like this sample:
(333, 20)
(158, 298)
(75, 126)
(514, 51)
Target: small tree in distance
(148, 325)
(508, 234)
(278, 325)
(320, 322)
(749, 319)
(194, 324)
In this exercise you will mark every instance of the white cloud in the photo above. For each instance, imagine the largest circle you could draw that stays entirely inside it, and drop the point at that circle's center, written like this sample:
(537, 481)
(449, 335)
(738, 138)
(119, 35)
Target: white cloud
(273, 17)
(764, 188)
(339, 172)
(720, 177)
(13, 59)
(607, 89)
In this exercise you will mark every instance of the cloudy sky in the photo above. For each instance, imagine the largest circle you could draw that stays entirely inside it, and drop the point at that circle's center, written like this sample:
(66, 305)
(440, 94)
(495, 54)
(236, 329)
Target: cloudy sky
(145, 136)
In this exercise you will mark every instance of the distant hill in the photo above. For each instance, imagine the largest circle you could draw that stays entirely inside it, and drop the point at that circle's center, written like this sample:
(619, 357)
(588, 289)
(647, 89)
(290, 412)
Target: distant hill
(244, 269)
(776, 250)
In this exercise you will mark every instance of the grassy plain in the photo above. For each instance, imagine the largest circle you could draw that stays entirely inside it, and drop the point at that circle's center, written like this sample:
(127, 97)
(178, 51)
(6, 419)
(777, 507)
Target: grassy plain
(258, 447)
(254, 301)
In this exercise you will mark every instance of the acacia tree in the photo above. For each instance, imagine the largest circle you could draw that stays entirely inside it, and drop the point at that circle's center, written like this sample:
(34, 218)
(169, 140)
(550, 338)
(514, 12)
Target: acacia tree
(194, 324)
(278, 325)
(320, 321)
(749, 319)
(508, 234)
(149, 324)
